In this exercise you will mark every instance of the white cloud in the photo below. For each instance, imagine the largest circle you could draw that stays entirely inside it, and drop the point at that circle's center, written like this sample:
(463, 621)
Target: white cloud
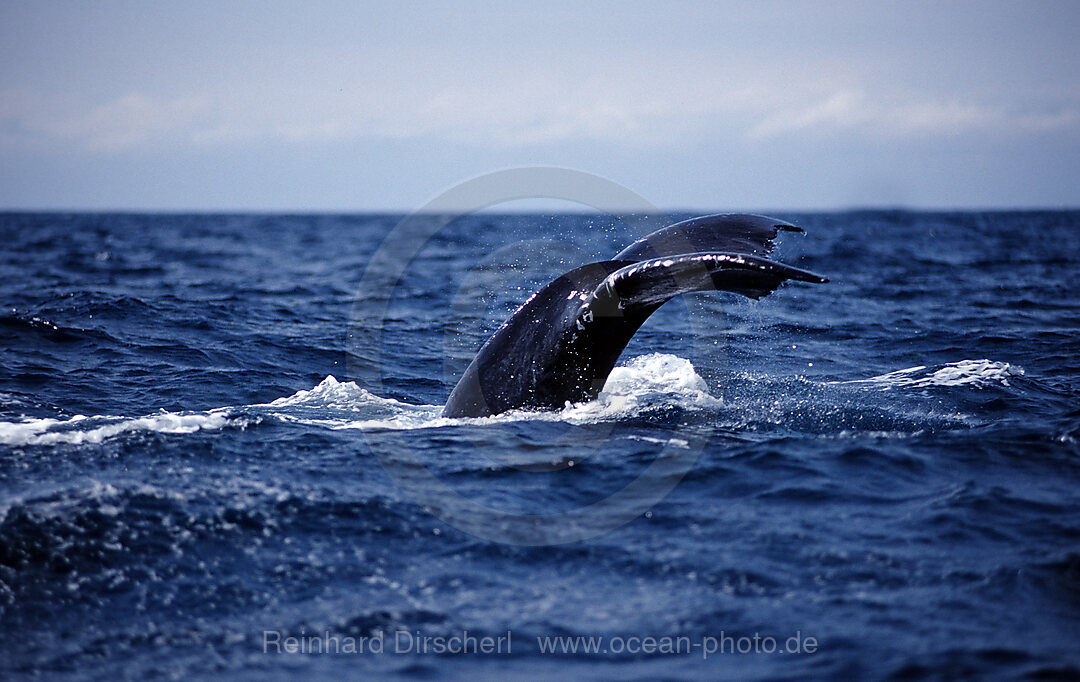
(644, 100)
(908, 115)
(123, 123)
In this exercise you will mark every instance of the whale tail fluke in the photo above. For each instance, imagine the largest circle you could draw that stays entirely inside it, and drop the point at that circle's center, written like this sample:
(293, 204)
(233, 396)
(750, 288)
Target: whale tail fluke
(562, 343)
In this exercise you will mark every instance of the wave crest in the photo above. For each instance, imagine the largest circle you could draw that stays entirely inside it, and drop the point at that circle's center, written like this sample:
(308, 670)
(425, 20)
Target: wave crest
(654, 384)
(973, 373)
(82, 429)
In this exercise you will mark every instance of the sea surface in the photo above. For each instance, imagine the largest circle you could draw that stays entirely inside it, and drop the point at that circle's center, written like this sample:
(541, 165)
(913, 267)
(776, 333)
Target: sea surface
(222, 456)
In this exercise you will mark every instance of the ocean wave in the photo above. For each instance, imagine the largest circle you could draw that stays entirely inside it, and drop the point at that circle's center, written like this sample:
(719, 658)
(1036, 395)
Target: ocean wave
(972, 373)
(647, 385)
(83, 429)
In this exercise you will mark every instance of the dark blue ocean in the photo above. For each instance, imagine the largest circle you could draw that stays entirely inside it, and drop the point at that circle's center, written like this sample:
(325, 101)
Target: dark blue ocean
(222, 456)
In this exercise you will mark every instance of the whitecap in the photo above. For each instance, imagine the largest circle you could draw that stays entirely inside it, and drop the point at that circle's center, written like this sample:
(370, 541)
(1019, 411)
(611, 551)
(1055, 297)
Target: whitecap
(973, 373)
(656, 381)
(82, 429)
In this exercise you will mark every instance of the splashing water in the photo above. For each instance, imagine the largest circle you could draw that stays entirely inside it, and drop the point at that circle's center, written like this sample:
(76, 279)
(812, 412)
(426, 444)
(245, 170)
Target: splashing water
(642, 386)
(973, 373)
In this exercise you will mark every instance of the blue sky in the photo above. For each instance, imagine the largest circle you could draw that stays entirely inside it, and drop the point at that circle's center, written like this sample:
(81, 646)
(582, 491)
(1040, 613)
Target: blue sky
(380, 106)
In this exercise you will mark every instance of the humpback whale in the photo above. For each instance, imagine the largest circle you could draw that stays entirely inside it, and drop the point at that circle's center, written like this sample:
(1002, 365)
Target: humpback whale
(562, 343)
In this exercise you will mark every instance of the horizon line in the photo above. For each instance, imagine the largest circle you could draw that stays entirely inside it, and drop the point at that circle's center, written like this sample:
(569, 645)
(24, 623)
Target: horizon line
(855, 208)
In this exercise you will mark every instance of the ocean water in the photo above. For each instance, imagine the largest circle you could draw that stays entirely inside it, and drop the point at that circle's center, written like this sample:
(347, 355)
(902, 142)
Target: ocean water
(220, 440)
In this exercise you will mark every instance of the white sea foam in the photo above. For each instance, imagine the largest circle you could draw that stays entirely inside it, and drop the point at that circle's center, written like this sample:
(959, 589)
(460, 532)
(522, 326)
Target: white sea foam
(657, 381)
(334, 394)
(343, 404)
(646, 382)
(974, 373)
(82, 429)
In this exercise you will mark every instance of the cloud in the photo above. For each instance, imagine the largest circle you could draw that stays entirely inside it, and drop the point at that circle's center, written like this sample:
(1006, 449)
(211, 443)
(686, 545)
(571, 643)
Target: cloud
(126, 122)
(639, 102)
(910, 115)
